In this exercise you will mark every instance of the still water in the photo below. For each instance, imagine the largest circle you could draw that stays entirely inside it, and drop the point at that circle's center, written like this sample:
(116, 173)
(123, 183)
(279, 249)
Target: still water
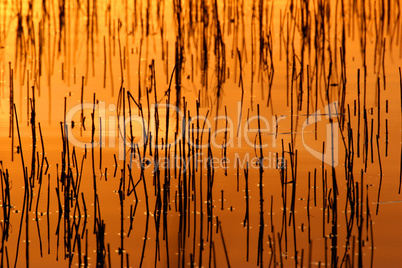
(200, 133)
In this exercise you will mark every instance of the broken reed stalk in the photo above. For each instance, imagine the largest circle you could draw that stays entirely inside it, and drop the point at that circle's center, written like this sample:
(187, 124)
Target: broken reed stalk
(380, 166)
(246, 221)
(378, 107)
(261, 201)
(242, 92)
(11, 113)
(224, 245)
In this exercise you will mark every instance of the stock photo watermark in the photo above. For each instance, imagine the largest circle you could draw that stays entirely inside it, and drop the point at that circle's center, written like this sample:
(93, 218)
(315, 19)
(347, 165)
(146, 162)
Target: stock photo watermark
(127, 132)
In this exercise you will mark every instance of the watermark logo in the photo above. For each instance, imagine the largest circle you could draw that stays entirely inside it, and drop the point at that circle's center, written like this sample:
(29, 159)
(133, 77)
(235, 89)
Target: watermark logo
(134, 131)
(242, 161)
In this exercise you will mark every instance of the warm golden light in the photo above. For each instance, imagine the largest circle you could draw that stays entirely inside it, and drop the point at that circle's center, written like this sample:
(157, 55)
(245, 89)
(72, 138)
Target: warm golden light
(175, 133)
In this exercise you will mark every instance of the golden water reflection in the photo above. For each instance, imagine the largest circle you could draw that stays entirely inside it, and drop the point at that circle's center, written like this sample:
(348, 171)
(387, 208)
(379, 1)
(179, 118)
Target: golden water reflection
(138, 125)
